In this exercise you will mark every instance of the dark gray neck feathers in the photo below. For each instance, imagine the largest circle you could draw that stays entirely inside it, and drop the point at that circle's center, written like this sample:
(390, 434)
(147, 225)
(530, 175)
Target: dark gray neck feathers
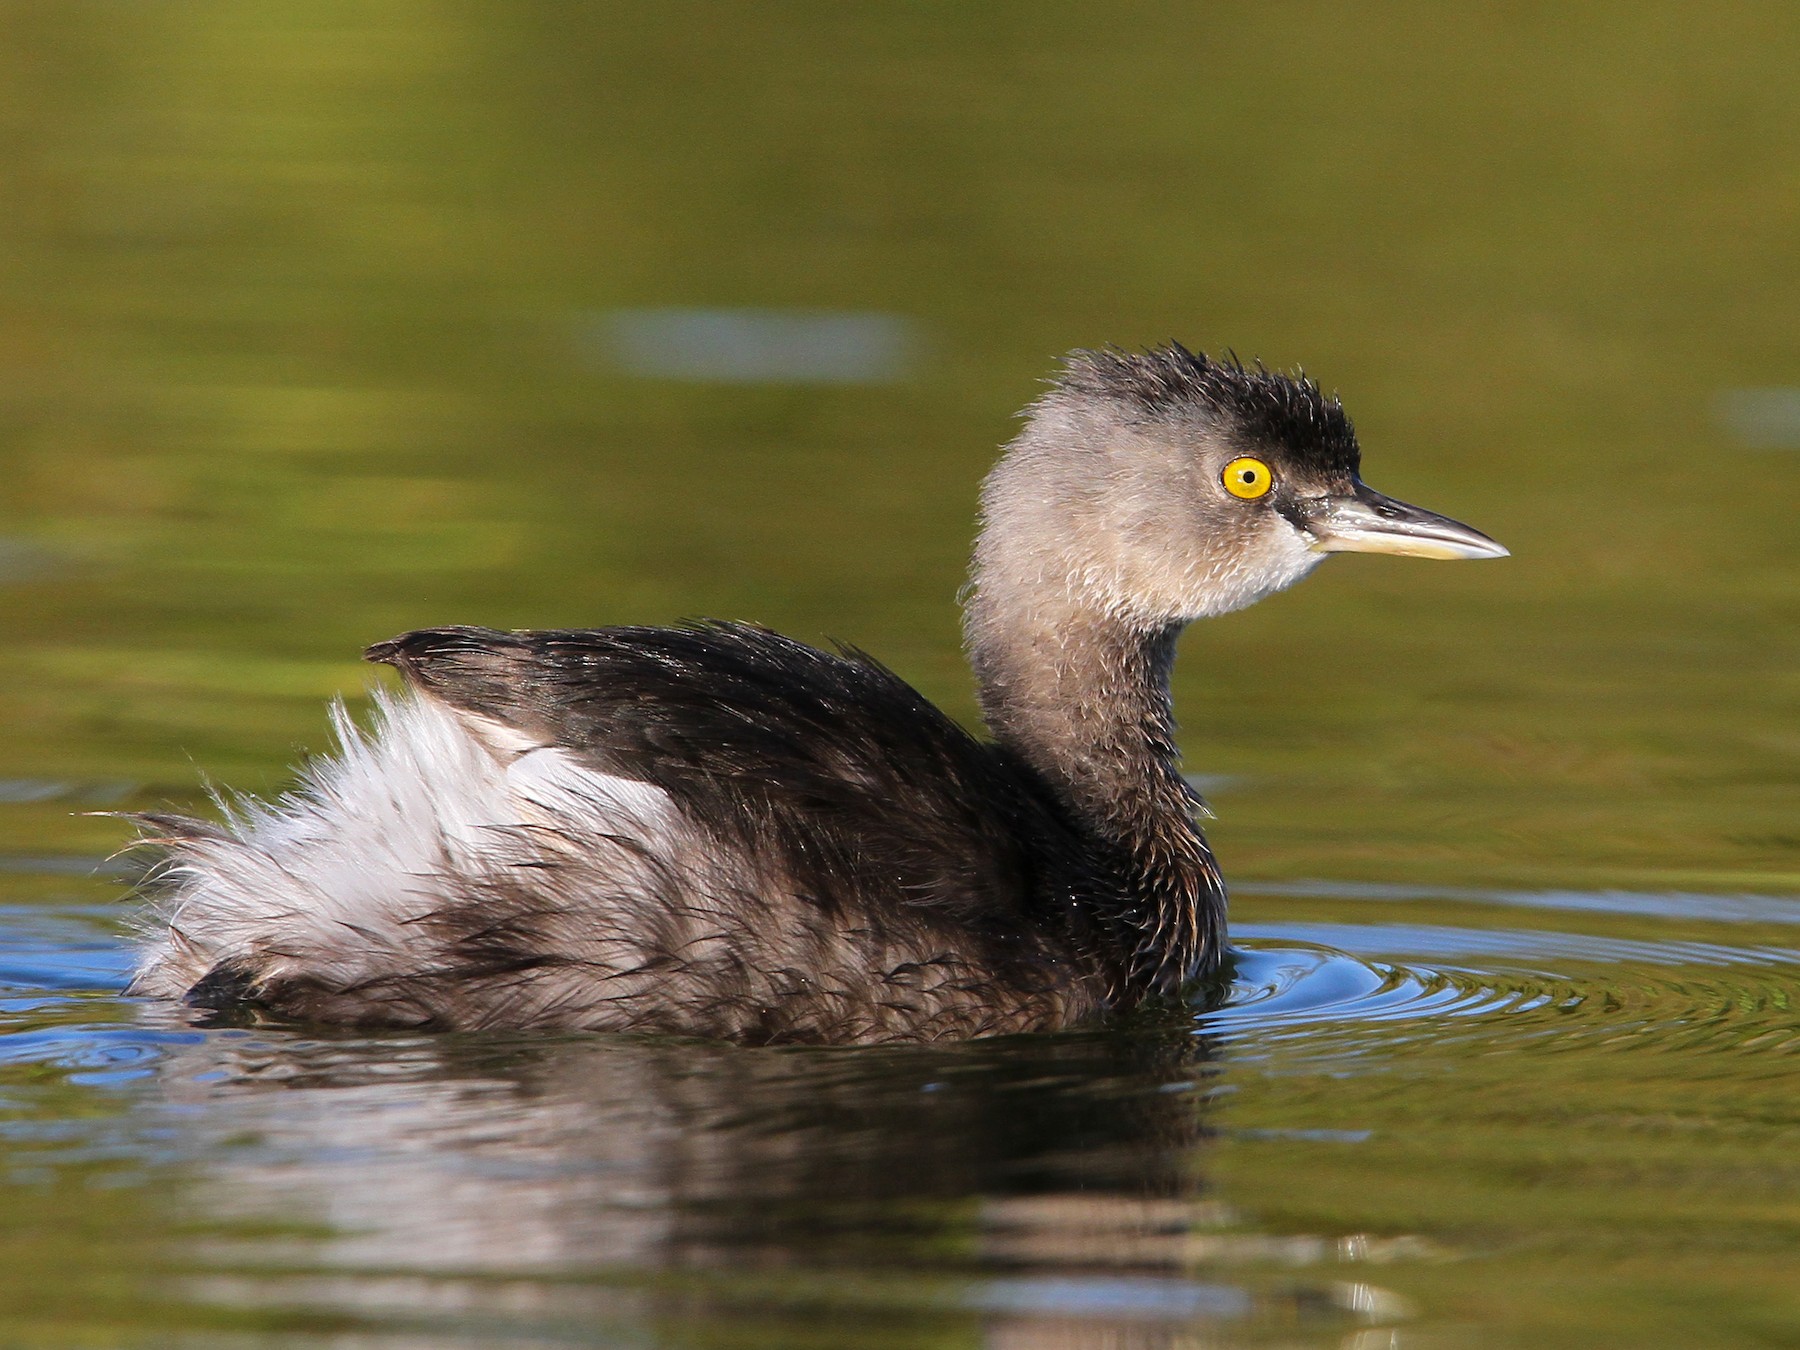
(1082, 694)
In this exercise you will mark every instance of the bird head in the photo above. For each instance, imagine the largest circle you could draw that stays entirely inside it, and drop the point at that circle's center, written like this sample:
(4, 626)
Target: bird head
(1167, 486)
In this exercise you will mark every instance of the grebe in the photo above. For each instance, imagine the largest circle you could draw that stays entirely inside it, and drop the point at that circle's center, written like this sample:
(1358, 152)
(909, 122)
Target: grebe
(717, 831)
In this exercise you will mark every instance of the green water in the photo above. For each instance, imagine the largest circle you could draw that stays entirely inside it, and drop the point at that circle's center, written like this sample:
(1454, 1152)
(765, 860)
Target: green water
(303, 341)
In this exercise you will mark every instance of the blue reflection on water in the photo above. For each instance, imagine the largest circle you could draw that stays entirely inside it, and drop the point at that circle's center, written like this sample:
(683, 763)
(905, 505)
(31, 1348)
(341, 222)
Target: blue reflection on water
(1741, 908)
(1764, 419)
(1111, 1297)
(752, 346)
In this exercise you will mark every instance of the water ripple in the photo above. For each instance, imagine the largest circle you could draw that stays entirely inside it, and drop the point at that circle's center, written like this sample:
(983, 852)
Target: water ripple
(1360, 988)
(1280, 983)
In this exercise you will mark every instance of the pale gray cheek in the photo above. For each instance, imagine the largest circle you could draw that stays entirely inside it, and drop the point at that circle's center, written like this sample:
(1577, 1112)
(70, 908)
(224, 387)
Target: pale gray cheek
(1278, 560)
(1295, 557)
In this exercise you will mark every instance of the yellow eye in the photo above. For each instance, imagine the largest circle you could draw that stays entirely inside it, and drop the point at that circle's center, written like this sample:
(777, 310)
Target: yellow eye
(1247, 478)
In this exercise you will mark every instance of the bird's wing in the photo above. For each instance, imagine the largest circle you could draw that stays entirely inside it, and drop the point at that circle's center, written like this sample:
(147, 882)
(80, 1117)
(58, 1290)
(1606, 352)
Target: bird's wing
(862, 787)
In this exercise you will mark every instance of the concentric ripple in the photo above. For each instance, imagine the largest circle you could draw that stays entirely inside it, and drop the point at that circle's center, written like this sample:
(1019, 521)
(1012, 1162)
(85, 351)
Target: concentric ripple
(1361, 986)
(1280, 983)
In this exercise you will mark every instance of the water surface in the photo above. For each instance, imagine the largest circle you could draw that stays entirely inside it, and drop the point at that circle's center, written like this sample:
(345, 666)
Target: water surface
(325, 321)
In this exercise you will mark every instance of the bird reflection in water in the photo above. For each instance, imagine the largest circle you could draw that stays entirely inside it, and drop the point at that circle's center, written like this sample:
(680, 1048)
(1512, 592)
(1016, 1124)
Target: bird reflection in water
(1050, 1188)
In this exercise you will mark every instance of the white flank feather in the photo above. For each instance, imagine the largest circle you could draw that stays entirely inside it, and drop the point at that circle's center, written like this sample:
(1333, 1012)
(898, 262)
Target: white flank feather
(333, 877)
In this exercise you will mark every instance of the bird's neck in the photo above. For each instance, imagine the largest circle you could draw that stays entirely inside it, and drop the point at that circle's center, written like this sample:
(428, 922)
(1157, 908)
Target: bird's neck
(1083, 696)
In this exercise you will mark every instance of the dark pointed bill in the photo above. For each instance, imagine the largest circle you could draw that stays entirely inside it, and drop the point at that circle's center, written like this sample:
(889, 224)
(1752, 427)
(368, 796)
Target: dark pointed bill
(1367, 522)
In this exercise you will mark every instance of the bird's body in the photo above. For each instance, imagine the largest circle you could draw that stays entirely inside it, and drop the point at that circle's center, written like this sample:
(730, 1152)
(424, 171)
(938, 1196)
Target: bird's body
(715, 830)
(710, 829)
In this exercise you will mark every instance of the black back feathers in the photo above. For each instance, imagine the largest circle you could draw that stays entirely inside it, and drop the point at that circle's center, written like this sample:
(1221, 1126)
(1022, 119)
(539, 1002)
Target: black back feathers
(868, 795)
